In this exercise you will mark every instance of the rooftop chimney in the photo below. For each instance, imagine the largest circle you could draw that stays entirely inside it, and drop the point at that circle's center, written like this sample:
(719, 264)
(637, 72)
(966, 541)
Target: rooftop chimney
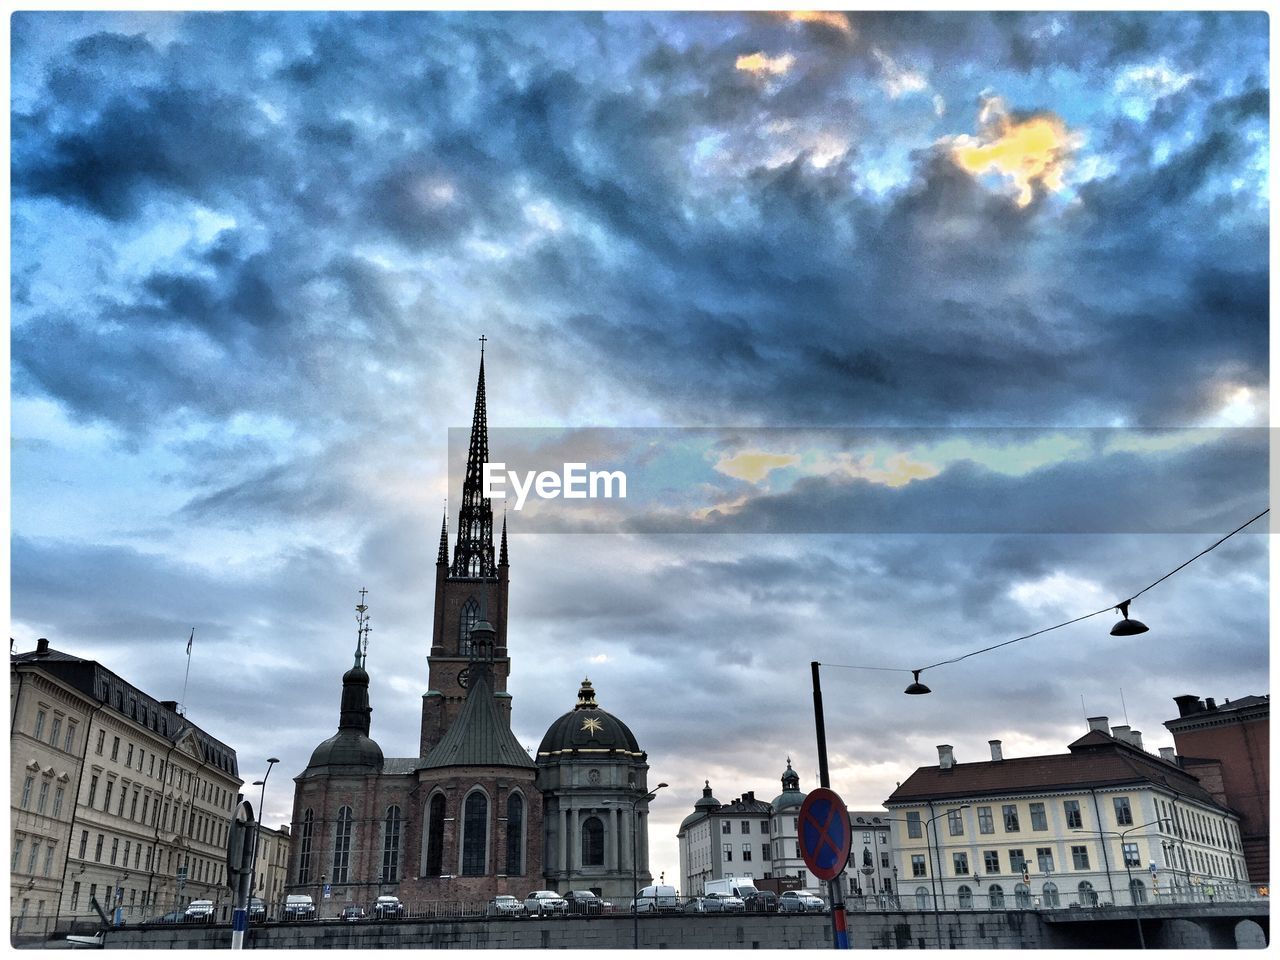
(946, 760)
(1121, 733)
(1210, 704)
(1099, 723)
(996, 752)
(1135, 737)
(1188, 704)
(170, 705)
(1168, 753)
(42, 647)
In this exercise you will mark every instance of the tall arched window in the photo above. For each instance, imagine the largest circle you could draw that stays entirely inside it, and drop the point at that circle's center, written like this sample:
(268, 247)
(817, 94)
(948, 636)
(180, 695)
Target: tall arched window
(966, 897)
(342, 847)
(1137, 891)
(1087, 896)
(995, 897)
(304, 847)
(592, 842)
(469, 618)
(1022, 896)
(391, 845)
(475, 834)
(922, 898)
(435, 837)
(1049, 895)
(515, 835)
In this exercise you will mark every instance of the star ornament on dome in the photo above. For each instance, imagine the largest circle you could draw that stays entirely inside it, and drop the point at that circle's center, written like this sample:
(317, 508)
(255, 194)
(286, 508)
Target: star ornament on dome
(592, 725)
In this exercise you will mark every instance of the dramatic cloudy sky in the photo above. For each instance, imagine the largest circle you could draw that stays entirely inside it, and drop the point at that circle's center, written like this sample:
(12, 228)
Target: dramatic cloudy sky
(252, 254)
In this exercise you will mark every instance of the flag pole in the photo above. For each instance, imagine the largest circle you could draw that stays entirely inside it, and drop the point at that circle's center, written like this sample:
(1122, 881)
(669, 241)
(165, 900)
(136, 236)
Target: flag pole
(187, 677)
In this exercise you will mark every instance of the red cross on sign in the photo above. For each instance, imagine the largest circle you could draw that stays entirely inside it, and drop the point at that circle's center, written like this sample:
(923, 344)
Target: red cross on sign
(824, 833)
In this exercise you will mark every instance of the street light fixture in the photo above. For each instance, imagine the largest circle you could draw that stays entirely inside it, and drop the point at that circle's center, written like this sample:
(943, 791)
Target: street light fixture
(1142, 940)
(635, 867)
(257, 832)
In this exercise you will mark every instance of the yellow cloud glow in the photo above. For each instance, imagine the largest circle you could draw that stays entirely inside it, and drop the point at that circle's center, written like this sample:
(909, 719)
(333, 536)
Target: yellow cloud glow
(830, 18)
(1030, 152)
(758, 64)
(754, 465)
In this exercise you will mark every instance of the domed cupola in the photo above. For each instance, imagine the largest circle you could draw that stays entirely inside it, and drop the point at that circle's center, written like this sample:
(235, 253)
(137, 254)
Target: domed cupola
(588, 728)
(702, 806)
(350, 750)
(791, 795)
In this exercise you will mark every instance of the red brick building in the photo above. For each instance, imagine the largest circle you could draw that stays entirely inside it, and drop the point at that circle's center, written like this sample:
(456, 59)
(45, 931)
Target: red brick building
(1227, 747)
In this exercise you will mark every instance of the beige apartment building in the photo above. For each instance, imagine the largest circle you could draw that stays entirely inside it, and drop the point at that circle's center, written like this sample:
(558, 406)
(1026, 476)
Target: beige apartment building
(1106, 822)
(271, 867)
(138, 798)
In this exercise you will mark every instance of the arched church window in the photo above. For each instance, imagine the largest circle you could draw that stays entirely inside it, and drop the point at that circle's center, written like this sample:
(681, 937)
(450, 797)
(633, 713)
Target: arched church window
(515, 835)
(342, 846)
(592, 842)
(391, 845)
(475, 834)
(304, 848)
(470, 617)
(435, 837)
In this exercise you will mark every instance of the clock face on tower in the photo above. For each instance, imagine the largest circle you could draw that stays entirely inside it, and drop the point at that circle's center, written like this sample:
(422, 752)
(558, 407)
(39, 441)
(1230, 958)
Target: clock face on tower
(464, 677)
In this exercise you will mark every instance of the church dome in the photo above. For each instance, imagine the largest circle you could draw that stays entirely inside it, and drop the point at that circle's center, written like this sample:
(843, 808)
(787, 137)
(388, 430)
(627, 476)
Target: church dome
(347, 748)
(587, 727)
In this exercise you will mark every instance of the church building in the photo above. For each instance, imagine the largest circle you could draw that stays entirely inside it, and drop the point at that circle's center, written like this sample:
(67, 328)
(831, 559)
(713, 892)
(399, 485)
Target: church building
(473, 815)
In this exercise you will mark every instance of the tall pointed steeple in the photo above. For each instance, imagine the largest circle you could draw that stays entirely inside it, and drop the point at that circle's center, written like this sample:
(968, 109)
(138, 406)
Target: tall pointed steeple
(443, 555)
(473, 550)
(502, 550)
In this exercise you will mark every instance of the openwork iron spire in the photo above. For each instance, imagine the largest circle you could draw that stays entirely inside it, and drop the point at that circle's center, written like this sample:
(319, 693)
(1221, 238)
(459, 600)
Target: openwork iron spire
(443, 555)
(502, 550)
(473, 550)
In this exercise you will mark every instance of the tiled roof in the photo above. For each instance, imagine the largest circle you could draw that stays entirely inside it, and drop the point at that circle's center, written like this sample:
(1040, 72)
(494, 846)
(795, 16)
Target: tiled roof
(1095, 760)
(400, 765)
(478, 737)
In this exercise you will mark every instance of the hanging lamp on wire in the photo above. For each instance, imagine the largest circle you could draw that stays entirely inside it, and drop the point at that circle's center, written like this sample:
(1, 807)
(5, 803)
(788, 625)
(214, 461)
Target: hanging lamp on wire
(915, 688)
(1127, 627)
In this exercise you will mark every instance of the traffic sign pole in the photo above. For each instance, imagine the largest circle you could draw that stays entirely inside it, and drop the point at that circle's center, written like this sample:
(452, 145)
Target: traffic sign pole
(240, 868)
(839, 927)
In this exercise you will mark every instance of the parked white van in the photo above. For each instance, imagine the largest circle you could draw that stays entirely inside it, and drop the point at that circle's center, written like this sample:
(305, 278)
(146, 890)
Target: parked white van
(656, 898)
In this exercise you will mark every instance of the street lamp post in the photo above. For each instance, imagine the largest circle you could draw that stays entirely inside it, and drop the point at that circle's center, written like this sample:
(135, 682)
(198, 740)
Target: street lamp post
(257, 832)
(1142, 940)
(933, 873)
(635, 867)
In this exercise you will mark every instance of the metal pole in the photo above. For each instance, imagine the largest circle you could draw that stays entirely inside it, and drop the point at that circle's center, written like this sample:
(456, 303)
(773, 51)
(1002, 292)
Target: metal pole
(839, 922)
(635, 882)
(934, 880)
(257, 830)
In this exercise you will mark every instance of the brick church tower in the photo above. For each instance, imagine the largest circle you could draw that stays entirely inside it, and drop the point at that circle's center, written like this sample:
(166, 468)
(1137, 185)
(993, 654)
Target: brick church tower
(469, 590)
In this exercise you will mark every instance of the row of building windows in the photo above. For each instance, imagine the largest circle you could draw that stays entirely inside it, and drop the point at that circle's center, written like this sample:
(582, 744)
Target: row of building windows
(56, 739)
(41, 795)
(187, 781)
(1011, 821)
(767, 851)
(475, 840)
(177, 816)
(744, 826)
(34, 865)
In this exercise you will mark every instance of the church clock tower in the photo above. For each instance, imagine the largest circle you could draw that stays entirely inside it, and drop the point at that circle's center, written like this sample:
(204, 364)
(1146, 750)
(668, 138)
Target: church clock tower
(469, 590)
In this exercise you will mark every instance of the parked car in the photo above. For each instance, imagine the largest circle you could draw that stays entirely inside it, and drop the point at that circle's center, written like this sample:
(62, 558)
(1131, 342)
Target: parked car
(177, 916)
(199, 911)
(801, 901)
(704, 905)
(257, 910)
(352, 913)
(388, 907)
(298, 906)
(545, 901)
(656, 898)
(505, 905)
(728, 902)
(762, 901)
(584, 902)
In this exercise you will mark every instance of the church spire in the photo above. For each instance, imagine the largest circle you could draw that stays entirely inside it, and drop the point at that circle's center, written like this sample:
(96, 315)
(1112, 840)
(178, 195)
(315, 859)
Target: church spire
(443, 555)
(502, 550)
(473, 550)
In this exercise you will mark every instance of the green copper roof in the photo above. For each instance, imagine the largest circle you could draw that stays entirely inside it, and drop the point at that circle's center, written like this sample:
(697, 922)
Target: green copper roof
(479, 736)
